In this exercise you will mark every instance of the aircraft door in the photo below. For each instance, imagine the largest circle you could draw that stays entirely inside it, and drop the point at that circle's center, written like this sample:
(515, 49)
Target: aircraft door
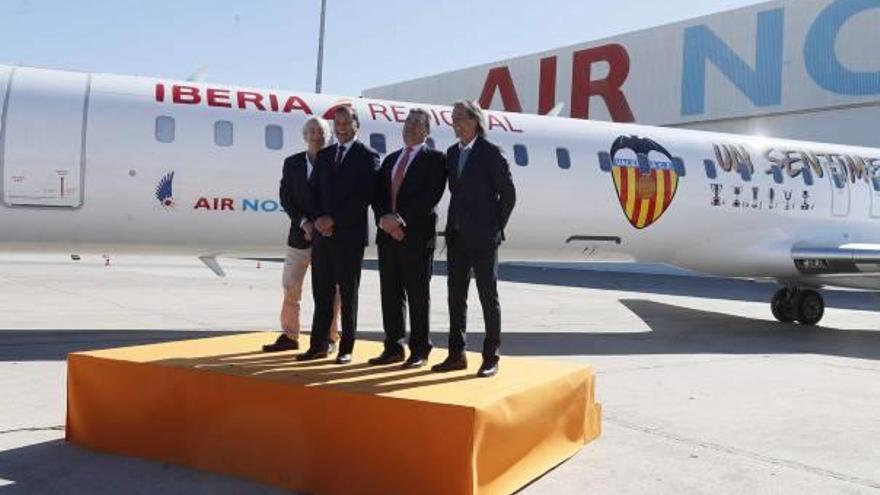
(840, 190)
(43, 153)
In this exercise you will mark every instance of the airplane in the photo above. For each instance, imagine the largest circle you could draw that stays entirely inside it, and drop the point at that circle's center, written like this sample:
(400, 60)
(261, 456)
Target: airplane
(109, 163)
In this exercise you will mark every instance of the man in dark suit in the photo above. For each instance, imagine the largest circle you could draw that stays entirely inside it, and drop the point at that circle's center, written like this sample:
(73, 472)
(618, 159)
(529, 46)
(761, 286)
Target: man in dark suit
(345, 177)
(482, 199)
(410, 185)
(299, 202)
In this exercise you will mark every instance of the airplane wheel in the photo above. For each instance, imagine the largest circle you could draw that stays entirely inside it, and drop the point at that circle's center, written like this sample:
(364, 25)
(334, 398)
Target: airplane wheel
(810, 307)
(782, 307)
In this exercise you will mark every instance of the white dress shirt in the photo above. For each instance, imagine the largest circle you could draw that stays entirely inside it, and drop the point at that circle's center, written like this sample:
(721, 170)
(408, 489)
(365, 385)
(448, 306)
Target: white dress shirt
(463, 147)
(310, 168)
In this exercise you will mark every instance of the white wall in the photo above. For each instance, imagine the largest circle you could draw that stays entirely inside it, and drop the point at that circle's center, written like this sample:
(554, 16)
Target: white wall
(818, 77)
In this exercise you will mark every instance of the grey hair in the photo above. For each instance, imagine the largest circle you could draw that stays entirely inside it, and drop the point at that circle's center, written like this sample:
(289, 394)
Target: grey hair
(475, 112)
(322, 124)
(422, 115)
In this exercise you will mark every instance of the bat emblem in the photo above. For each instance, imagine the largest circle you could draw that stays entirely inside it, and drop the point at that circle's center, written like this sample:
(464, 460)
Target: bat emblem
(645, 185)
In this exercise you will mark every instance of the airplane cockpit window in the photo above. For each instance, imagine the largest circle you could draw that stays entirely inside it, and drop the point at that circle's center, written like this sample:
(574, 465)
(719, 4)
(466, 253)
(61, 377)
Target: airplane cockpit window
(563, 159)
(431, 144)
(223, 133)
(274, 137)
(377, 142)
(520, 155)
(164, 129)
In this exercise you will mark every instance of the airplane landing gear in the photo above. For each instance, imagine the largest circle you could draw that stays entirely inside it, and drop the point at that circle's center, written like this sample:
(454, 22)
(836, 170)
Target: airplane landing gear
(805, 306)
(782, 305)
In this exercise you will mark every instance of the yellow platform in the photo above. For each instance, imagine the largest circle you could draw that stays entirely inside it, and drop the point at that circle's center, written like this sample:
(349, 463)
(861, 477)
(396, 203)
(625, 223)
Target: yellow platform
(220, 405)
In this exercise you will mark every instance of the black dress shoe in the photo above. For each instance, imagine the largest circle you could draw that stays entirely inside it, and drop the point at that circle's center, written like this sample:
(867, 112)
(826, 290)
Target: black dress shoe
(387, 358)
(343, 358)
(414, 362)
(283, 343)
(451, 363)
(488, 368)
(311, 355)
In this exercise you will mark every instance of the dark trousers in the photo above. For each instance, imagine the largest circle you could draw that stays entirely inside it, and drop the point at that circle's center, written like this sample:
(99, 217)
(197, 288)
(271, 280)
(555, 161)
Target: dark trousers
(405, 277)
(484, 263)
(335, 261)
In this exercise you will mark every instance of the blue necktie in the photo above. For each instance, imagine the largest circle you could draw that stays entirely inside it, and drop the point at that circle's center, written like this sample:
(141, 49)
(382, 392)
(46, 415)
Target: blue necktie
(340, 154)
(462, 159)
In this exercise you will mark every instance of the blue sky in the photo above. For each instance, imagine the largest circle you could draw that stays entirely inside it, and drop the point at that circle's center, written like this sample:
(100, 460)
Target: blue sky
(273, 43)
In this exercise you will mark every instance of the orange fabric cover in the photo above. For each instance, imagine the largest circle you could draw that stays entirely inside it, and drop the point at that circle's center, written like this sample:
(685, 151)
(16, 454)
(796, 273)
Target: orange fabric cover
(220, 405)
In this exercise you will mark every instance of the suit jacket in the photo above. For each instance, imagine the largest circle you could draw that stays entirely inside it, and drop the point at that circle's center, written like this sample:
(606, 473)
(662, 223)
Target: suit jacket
(482, 198)
(417, 198)
(298, 198)
(345, 191)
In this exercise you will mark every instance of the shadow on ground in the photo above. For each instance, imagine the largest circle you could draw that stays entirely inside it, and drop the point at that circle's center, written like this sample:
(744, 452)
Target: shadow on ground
(54, 345)
(680, 330)
(56, 467)
(674, 330)
(674, 285)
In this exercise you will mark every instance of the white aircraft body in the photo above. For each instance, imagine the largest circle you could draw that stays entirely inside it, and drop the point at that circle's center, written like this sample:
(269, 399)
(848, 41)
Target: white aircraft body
(107, 164)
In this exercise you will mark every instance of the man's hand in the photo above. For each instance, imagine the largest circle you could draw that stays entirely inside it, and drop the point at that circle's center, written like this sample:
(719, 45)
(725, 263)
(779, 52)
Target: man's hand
(398, 234)
(389, 223)
(325, 225)
(307, 228)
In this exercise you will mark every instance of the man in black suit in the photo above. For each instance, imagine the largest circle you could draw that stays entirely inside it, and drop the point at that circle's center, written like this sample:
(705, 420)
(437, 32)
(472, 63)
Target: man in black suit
(299, 202)
(345, 177)
(410, 185)
(482, 199)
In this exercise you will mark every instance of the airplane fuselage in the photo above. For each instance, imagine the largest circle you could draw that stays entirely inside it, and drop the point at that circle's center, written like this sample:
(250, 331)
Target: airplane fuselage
(84, 158)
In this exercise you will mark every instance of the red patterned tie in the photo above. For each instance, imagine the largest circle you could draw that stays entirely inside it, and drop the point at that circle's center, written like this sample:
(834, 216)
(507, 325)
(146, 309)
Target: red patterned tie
(397, 180)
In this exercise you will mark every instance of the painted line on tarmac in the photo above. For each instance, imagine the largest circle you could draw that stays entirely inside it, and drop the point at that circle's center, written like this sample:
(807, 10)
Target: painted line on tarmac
(33, 429)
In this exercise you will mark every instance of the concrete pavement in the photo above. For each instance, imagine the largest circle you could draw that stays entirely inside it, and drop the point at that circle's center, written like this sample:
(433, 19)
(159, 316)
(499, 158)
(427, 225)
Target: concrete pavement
(702, 391)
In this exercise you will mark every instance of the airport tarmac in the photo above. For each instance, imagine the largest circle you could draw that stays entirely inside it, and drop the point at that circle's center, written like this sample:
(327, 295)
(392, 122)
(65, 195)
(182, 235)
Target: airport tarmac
(702, 391)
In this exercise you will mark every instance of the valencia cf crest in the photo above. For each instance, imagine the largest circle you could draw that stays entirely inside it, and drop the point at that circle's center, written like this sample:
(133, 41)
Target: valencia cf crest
(645, 177)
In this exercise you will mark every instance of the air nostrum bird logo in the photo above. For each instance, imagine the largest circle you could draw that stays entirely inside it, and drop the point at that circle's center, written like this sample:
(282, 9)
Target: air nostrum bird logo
(164, 191)
(645, 186)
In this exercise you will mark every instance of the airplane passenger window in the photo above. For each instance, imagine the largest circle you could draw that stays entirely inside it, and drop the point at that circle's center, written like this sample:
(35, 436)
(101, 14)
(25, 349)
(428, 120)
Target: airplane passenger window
(520, 155)
(377, 142)
(274, 137)
(223, 133)
(431, 144)
(164, 129)
(808, 176)
(563, 159)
